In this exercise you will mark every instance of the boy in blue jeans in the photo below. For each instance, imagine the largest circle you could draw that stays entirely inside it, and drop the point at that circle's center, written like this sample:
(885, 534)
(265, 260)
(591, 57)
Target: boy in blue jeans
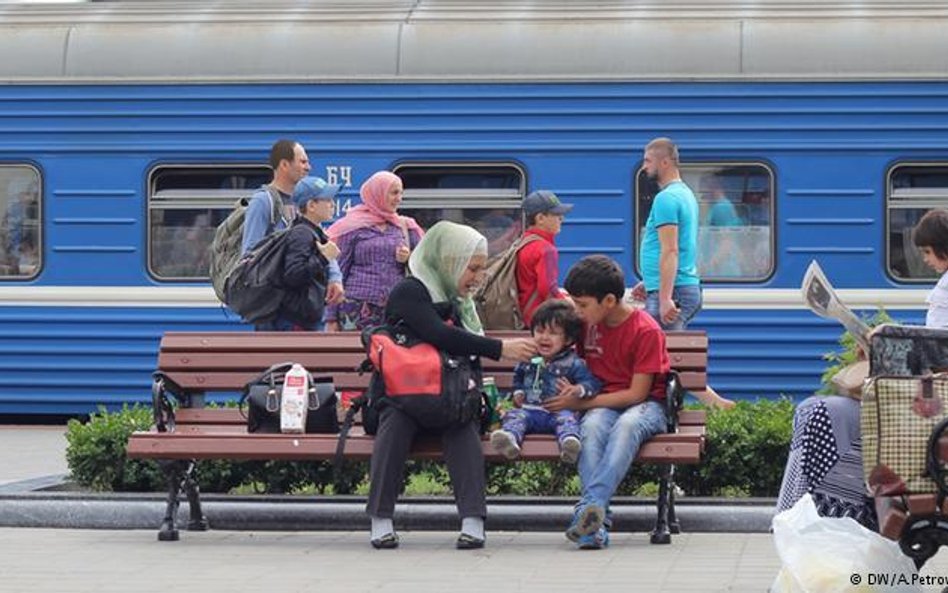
(556, 328)
(625, 349)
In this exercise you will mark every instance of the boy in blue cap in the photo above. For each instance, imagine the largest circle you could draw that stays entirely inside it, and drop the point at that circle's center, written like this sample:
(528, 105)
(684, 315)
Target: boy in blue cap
(307, 260)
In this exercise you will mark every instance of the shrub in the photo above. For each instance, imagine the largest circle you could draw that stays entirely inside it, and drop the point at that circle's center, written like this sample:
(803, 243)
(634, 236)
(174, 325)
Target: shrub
(95, 451)
(747, 449)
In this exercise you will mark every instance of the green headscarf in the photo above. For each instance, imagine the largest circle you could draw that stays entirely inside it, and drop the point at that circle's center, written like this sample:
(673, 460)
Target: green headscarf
(440, 259)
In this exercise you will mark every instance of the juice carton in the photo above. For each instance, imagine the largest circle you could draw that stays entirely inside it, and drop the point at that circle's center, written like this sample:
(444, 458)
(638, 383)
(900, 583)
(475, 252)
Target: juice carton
(294, 400)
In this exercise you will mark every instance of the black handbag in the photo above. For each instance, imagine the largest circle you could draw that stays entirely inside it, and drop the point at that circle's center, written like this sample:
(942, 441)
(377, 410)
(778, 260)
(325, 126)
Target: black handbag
(260, 402)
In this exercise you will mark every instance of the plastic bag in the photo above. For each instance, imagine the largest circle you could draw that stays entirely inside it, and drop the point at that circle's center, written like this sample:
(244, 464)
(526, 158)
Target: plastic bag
(829, 555)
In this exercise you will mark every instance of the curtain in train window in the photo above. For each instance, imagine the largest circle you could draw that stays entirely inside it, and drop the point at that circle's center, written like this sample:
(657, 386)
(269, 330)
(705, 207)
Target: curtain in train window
(484, 196)
(912, 191)
(736, 219)
(185, 205)
(20, 237)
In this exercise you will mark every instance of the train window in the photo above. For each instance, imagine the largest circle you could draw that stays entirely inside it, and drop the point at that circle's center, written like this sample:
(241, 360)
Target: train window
(185, 205)
(20, 240)
(912, 190)
(736, 218)
(484, 196)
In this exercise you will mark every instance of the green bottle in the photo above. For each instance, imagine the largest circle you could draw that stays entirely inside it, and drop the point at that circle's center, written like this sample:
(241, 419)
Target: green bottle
(493, 400)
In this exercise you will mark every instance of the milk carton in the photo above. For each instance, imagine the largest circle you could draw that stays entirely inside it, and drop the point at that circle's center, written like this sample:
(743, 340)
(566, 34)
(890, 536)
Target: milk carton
(294, 400)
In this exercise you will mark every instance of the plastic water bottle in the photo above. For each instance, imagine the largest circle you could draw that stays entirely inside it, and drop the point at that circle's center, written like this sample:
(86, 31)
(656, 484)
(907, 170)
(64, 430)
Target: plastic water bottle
(294, 400)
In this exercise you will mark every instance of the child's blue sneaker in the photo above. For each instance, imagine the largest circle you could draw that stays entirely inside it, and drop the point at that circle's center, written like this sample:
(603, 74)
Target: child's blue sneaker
(587, 520)
(594, 541)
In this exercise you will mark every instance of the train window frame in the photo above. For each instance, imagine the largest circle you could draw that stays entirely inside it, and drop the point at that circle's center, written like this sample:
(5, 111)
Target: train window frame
(771, 171)
(908, 204)
(216, 199)
(40, 218)
(465, 198)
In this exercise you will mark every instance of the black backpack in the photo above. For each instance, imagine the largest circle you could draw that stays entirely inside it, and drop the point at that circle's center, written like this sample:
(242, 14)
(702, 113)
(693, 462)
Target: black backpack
(224, 250)
(254, 288)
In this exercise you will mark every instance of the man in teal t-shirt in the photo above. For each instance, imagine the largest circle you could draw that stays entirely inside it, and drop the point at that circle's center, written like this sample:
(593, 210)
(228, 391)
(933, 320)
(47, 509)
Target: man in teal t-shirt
(668, 257)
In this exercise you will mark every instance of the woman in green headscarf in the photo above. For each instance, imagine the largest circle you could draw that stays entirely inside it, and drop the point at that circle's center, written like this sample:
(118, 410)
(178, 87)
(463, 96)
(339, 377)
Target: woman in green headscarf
(435, 304)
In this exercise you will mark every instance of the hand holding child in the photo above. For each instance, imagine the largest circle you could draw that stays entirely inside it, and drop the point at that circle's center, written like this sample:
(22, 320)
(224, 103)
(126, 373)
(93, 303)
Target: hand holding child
(567, 389)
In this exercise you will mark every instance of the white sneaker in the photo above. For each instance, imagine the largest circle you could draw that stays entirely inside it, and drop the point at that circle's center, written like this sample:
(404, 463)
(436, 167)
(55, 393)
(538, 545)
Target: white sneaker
(569, 450)
(505, 443)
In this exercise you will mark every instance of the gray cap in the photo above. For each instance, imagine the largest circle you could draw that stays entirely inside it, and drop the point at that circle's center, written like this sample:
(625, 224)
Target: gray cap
(544, 201)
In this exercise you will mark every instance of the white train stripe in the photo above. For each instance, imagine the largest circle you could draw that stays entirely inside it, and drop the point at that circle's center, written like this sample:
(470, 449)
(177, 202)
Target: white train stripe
(203, 296)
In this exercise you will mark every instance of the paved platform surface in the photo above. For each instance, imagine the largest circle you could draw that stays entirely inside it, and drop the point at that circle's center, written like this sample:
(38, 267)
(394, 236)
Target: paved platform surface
(30, 452)
(104, 561)
(49, 560)
(120, 561)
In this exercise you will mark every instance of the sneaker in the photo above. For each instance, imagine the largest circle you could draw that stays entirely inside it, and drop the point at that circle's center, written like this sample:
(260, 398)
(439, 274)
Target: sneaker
(569, 450)
(587, 520)
(505, 443)
(594, 541)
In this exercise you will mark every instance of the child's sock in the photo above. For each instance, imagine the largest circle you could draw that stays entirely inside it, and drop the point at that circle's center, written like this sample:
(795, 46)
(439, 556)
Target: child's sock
(381, 526)
(473, 526)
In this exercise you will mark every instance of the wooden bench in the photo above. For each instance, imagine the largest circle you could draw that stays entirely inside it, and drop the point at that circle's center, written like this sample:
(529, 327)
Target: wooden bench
(193, 364)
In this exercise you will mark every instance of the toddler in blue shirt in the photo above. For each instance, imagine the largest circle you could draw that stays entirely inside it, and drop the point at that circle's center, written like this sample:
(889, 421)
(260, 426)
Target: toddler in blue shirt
(556, 328)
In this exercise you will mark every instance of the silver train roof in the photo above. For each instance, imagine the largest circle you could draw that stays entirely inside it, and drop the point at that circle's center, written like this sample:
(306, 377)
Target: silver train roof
(451, 40)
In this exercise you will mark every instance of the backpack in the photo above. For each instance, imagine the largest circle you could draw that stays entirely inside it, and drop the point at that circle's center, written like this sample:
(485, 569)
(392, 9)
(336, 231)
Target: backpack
(254, 288)
(224, 251)
(496, 298)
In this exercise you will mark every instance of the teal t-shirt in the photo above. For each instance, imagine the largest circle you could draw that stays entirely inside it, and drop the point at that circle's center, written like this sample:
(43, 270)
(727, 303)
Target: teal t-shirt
(675, 204)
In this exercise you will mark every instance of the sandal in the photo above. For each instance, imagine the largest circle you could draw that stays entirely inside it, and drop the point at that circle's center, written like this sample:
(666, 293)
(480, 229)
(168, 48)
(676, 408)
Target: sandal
(389, 541)
(469, 542)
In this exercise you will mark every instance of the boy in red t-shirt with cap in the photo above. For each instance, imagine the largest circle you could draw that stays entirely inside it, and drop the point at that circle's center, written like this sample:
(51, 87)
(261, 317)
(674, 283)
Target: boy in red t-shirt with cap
(624, 348)
(538, 261)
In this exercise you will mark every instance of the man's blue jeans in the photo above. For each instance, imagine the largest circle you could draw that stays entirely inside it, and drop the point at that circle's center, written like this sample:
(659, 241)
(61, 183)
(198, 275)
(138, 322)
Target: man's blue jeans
(611, 440)
(689, 303)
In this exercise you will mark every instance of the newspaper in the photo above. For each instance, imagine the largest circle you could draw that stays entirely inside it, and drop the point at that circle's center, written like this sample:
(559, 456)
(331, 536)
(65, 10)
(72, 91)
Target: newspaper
(819, 295)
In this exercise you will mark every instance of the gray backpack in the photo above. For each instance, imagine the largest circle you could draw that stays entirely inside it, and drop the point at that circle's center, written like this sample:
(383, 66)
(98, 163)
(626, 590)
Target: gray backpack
(496, 298)
(224, 252)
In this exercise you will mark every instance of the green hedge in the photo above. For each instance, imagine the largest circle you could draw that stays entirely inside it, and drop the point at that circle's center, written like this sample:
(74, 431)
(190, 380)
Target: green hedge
(746, 453)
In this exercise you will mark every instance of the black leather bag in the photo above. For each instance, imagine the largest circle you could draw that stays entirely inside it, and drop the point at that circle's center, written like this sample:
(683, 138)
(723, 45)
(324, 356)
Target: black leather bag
(260, 402)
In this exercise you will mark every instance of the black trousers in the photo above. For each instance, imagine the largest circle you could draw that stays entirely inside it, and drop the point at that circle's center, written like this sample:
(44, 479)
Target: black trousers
(462, 453)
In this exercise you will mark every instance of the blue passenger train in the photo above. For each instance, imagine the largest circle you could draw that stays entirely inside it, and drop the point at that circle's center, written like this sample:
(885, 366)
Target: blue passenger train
(129, 129)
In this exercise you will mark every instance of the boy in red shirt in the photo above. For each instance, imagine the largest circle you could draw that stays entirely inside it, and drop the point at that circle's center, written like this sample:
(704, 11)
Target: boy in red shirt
(538, 261)
(624, 348)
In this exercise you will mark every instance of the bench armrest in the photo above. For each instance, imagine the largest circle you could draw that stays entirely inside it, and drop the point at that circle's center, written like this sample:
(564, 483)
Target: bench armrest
(674, 399)
(161, 408)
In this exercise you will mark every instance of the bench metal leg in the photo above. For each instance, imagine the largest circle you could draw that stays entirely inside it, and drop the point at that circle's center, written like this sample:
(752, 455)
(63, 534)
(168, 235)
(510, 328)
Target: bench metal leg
(673, 525)
(662, 534)
(197, 520)
(180, 476)
(174, 471)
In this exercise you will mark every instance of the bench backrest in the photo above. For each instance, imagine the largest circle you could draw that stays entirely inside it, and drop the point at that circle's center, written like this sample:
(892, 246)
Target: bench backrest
(224, 361)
